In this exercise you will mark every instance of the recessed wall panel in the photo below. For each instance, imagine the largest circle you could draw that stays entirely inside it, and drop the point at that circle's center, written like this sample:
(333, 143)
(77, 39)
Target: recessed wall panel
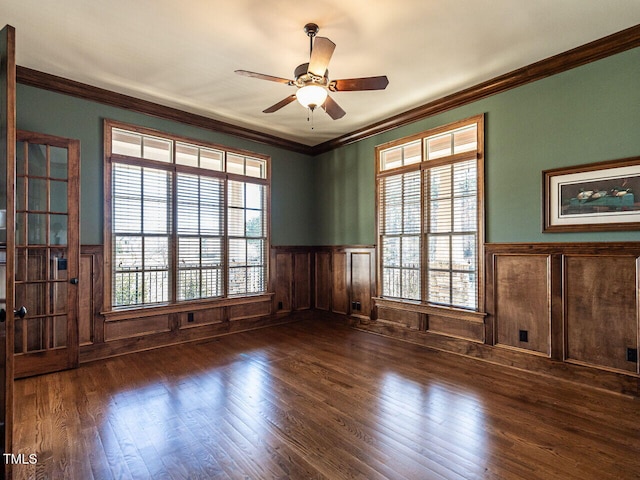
(522, 302)
(600, 304)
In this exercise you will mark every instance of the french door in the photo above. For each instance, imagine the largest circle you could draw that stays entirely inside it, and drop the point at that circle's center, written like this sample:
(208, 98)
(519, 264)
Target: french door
(46, 253)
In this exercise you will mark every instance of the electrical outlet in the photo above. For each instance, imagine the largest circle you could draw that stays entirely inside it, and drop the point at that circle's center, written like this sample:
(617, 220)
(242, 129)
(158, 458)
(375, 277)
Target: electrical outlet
(280, 306)
(524, 335)
(632, 355)
(190, 317)
(354, 305)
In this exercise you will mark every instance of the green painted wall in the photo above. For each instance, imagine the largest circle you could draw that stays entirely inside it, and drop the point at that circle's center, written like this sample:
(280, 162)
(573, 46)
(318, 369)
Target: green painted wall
(585, 115)
(588, 114)
(46, 112)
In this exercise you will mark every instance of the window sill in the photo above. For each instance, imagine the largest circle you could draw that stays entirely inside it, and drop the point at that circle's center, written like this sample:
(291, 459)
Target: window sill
(126, 313)
(430, 309)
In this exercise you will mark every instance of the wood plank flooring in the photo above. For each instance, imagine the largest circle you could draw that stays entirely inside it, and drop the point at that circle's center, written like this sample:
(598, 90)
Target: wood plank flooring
(315, 399)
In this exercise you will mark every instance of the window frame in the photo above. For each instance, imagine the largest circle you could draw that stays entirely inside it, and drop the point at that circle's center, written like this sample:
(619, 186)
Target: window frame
(422, 166)
(175, 169)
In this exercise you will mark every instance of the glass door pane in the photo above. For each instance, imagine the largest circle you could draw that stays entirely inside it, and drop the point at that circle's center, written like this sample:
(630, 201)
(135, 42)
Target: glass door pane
(46, 254)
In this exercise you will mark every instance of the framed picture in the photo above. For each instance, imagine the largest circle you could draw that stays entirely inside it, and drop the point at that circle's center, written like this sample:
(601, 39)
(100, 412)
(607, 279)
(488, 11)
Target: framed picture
(595, 197)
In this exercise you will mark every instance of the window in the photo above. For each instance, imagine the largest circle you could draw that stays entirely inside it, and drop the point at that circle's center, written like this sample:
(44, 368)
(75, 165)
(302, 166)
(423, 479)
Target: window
(185, 220)
(141, 234)
(429, 205)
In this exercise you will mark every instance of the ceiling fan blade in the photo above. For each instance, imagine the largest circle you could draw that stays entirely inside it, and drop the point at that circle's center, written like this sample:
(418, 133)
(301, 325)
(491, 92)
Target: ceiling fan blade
(334, 110)
(262, 76)
(320, 55)
(280, 104)
(354, 84)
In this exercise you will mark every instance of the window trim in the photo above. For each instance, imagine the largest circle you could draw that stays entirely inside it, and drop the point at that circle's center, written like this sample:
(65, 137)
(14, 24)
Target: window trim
(479, 155)
(173, 303)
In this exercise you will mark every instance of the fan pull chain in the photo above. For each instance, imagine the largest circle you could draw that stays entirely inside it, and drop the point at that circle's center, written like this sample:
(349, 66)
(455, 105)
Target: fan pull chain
(310, 116)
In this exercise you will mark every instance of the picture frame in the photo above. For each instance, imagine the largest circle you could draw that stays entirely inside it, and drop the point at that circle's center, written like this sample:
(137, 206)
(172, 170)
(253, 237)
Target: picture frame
(603, 196)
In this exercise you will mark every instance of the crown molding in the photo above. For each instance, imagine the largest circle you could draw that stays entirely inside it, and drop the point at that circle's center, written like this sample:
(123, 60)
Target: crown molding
(590, 52)
(46, 81)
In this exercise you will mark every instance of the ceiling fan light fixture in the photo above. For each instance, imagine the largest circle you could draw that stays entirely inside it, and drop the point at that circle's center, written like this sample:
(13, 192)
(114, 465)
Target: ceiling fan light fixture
(311, 96)
(312, 79)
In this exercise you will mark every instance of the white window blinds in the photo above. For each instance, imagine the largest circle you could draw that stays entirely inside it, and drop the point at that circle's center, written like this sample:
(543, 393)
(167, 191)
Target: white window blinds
(247, 238)
(451, 192)
(187, 221)
(141, 231)
(401, 228)
(200, 233)
(428, 218)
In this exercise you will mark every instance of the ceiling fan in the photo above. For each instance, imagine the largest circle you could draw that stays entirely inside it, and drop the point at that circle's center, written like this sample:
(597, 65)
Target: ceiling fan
(312, 79)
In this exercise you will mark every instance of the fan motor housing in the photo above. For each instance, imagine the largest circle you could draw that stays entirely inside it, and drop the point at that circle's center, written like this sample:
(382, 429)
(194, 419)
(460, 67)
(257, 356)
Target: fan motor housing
(303, 77)
(300, 70)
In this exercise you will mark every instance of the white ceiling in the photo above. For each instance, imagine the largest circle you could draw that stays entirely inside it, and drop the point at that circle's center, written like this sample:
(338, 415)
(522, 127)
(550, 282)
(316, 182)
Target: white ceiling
(183, 54)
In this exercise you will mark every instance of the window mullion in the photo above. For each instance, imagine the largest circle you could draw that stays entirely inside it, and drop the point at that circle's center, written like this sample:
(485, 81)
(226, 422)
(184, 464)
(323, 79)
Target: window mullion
(201, 275)
(142, 235)
(173, 229)
(452, 220)
(225, 242)
(402, 232)
(425, 230)
(246, 240)
(451, 268)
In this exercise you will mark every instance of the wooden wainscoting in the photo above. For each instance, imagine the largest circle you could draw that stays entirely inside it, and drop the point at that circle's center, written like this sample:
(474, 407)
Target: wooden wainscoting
(106, 335)
(449, 322)
(291, 278)
(601, 309)
(561, 309)
(91, 295)
(574, 303)
(566, 310)
(338, 279)
(345, 279)
(522, 302)
(322, 280)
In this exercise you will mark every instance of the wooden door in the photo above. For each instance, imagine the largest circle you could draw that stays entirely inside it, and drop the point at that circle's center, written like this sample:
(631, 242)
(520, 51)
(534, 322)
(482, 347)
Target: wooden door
(7, 170)
(46, 253)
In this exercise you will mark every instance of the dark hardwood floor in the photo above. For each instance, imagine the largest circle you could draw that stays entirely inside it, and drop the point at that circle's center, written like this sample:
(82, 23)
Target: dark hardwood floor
(316, 399)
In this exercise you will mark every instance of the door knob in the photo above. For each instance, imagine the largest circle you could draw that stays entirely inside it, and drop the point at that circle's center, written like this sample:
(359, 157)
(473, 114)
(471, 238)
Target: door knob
(21, 312)
(73, 281)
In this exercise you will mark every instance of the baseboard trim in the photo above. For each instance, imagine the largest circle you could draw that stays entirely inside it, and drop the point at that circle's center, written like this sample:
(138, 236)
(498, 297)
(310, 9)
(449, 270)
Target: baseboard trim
(615, 382)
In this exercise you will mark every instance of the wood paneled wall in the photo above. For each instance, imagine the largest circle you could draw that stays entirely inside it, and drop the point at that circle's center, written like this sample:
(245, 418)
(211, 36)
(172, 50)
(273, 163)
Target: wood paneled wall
(337, 279)
(576, 303)
(567, 310)
(521, 302)
(291, 278)
(116, 333)
(452, 322)
(345, 280)
(91, 295)
(322, 280)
